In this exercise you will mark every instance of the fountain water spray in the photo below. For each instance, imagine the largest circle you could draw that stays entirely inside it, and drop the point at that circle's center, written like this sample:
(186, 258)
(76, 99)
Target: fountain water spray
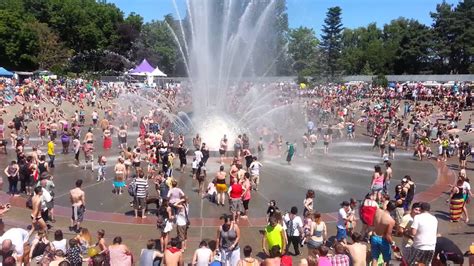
(222, 43)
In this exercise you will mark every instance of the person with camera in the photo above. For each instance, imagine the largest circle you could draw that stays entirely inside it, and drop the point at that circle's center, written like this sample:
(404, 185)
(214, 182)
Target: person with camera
(182, 221)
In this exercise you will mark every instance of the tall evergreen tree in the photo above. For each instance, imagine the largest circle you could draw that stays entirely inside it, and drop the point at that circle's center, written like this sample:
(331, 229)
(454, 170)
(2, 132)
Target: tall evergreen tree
(331, 41)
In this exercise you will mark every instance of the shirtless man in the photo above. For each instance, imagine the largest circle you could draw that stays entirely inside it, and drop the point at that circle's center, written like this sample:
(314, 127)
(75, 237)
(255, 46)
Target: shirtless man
(89, 137)
(381, 240)
(88, 148)
(53, 127)
(78, 201)
(173, 255)
(357, 250)
(36, 218)
(313, 139)
(388, 175)
(34, 154)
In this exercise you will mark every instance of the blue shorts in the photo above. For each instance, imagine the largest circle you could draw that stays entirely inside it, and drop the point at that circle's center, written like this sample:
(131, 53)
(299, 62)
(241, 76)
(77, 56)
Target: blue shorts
(119, 184)
(341, 234)
(379, 245)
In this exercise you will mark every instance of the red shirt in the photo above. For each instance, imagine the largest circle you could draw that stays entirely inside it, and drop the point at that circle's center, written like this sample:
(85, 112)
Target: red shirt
(236, 191)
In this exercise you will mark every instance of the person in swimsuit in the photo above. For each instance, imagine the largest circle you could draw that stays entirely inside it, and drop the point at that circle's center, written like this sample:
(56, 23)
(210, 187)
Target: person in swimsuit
(120, 170)
(221, 186)
(122, 137)
(36, 218)
(223, 148)
(377, 181)
(78, 201)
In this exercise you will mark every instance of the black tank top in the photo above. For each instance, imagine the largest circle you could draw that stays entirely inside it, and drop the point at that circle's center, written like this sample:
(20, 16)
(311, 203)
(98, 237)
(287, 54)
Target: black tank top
(42, 167)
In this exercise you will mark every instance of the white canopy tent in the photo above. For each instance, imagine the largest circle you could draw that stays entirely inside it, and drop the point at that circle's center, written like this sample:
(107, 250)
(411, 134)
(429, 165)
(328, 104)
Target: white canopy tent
(158, 73)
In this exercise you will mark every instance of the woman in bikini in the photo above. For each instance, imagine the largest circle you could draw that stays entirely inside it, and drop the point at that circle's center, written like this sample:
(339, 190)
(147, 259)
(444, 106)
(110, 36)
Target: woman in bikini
(221, 186)
(119, 181)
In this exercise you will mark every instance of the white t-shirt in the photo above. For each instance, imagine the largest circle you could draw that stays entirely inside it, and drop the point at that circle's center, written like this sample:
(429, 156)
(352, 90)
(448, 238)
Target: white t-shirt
(181, 216)
(198, 155)
(255, 168)
(60, 245)
(18, 236)
(195, 164)
(76, 145)
(297, 223)
(211, 189)
(341, 218)
(426, 226)
(203, 256)
(45, 198)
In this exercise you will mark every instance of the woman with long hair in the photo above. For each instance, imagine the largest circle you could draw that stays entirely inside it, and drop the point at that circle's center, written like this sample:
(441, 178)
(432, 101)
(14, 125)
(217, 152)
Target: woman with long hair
(377, 181)
(308, 202)
(456, 201)
(120, 254)
(85, 240)
(228, 236)
(467, 194)
(164, 222)
(318, 233)
(246, 194)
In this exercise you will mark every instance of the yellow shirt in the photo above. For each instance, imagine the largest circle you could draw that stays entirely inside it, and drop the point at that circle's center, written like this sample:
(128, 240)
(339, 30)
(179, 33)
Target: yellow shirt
(273, 235)
(50, 148)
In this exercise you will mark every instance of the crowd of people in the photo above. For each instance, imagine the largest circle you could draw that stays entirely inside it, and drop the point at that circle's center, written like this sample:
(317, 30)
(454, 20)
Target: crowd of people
(417, 118)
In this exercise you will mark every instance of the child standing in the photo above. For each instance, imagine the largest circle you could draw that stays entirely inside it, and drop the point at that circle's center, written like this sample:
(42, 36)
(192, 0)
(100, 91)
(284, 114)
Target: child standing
(194, 166)
(102, 161)
(307, 226)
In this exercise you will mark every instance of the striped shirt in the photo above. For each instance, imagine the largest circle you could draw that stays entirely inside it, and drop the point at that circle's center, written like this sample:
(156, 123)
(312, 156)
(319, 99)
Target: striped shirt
(141, 187)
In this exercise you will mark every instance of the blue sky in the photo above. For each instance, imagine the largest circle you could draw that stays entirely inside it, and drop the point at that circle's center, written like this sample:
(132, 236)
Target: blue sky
(311, 13)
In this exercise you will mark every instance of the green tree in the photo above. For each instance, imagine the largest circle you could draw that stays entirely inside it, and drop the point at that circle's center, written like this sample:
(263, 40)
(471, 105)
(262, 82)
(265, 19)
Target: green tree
(157, 45)
(84, 24)
(454, 37)
(127, 33)
(302, 48)
(51, 51)
(283, 62)
(19, 44)
(331, 43)
(363, 48)
(444, 36)
(407, 46)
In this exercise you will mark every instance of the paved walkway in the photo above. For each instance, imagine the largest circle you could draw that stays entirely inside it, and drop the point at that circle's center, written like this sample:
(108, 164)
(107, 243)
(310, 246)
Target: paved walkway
(136, 232)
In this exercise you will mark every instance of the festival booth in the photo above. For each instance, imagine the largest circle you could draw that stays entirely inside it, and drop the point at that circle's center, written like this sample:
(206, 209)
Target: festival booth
(146, 72)
(5, 73)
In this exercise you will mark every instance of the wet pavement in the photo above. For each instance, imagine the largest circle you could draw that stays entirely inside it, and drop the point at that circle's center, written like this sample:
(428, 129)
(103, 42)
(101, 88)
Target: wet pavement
(344, 173)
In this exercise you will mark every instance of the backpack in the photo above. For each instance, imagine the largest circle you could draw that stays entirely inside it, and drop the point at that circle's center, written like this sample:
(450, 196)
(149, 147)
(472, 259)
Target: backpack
(132, 188)
(39, 249)
(160, 221)
(290, 230)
